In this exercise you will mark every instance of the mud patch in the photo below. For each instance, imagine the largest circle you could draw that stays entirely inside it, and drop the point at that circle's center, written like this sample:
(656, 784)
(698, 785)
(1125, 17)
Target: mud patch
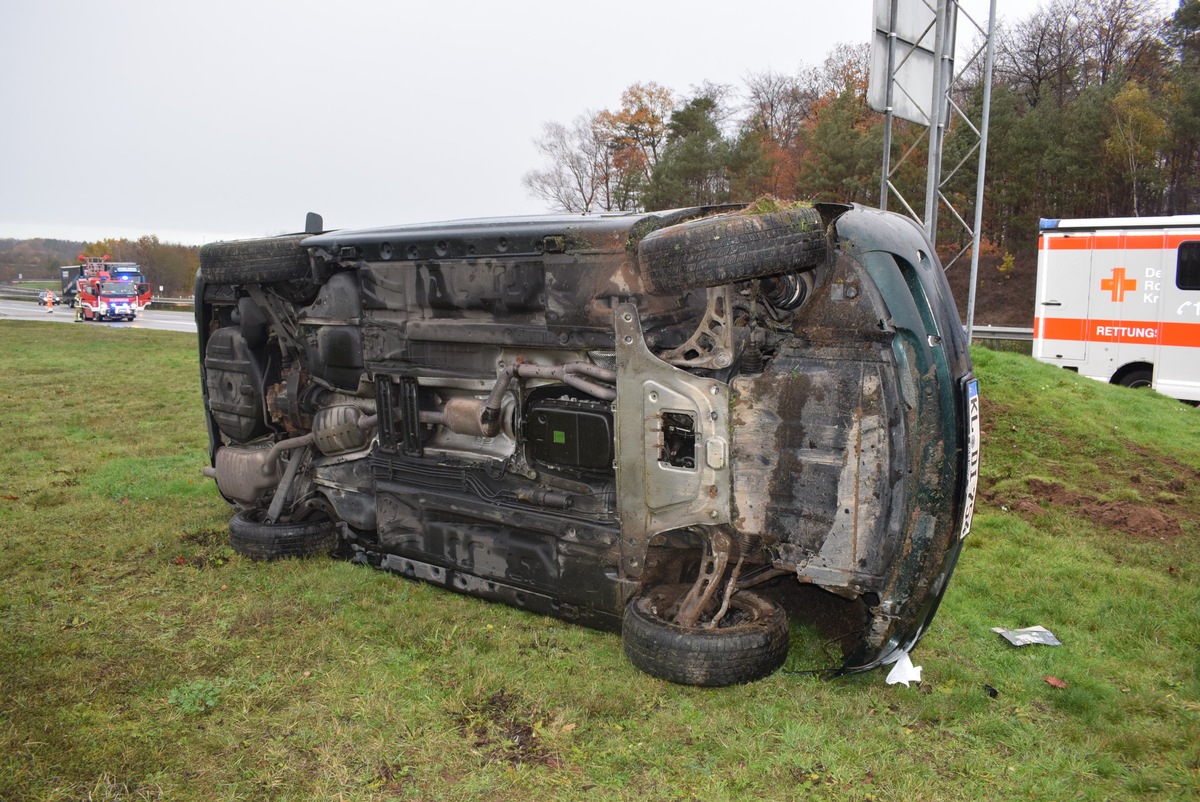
(1053, 494)
(506, 730)
(206, 537)
(1140, 521)
(1131, 518)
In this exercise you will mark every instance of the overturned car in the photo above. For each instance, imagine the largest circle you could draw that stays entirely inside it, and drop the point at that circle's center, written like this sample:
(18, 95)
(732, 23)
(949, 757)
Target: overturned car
(683, 425)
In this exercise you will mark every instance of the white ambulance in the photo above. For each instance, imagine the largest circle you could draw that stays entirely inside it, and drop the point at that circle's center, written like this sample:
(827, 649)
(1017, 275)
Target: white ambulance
(1118, 300)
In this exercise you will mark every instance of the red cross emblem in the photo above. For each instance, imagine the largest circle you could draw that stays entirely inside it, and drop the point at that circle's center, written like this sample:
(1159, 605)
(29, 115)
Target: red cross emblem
(1118, 284)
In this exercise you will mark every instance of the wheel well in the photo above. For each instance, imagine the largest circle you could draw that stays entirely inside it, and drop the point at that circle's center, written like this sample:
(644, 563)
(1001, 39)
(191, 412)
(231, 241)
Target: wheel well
(1126, 371)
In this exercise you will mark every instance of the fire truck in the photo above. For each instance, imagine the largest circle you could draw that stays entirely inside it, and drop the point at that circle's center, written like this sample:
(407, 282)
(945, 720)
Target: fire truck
(106, 290)
(1119, 300)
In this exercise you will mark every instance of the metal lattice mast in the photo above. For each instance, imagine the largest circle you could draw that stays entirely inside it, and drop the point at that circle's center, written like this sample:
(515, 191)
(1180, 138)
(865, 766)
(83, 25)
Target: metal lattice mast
(913, 77)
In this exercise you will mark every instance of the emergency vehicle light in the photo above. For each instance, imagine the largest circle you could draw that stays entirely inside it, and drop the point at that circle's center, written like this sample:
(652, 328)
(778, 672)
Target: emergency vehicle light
(1048, 223)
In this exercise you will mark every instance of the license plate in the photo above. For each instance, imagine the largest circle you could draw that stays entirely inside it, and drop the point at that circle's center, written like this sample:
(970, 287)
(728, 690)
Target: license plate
(973, 439)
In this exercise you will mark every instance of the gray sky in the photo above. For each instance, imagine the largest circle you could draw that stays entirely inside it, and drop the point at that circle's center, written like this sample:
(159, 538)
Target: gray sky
(198, 121)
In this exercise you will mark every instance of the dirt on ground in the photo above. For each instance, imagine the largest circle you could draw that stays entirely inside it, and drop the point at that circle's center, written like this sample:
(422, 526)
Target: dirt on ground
(1139, 520)
(1166, 489)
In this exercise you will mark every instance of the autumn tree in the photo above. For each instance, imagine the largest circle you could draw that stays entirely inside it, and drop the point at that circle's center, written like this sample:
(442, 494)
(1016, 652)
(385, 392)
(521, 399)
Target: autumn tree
(842, 138)
(638, 129)
(117, 250)
(167, 264)
(1138, 134)
(604, 160)
(777, 108)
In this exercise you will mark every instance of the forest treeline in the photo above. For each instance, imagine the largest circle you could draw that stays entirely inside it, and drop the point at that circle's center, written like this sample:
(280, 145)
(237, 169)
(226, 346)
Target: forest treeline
(1095, 113)
(167, 264)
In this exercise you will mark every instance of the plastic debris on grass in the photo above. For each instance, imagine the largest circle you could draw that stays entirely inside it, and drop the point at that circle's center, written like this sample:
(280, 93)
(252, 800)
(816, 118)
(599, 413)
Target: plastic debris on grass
(904, 671)
(1028, 635)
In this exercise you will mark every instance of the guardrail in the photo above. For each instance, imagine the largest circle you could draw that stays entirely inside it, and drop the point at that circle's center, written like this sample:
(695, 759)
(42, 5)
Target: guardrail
(1002, 333)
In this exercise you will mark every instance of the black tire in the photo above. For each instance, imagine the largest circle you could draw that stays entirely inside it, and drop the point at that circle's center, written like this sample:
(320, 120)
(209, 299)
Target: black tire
(726, 248)
(1138, 379)
(254, 261)
(252, 538)
(750, 643)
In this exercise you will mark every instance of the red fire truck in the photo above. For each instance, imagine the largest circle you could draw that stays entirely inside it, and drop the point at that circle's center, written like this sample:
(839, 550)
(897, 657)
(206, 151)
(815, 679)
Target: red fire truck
(106, 290)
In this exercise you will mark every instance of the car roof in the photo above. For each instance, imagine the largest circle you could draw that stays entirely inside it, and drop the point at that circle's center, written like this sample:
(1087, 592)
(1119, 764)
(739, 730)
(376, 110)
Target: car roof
(502, 235)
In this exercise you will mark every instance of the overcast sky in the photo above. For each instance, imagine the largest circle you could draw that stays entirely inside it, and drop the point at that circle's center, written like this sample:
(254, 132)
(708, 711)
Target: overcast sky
(210, 120)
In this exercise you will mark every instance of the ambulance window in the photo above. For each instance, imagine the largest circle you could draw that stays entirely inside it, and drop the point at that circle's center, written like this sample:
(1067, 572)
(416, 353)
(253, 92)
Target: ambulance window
(1187, 277)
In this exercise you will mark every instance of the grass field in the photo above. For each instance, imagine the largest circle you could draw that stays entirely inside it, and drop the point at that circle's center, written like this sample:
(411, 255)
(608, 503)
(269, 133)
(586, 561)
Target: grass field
(140, 659)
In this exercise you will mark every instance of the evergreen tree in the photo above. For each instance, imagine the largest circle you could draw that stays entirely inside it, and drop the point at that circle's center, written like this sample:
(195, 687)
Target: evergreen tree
(693, 169)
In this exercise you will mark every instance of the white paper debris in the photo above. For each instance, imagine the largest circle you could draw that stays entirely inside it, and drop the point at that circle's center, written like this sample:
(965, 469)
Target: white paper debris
(904, 671)
(1024, 637)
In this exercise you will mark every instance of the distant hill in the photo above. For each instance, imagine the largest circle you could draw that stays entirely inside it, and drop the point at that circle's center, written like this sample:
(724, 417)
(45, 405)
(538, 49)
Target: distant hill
(36, 258)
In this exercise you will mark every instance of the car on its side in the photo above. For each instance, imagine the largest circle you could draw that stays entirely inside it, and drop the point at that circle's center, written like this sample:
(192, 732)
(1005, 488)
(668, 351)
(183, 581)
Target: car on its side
(683, 425)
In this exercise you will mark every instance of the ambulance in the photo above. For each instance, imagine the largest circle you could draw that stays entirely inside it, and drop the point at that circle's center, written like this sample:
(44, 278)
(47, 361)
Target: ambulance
(1118, 300)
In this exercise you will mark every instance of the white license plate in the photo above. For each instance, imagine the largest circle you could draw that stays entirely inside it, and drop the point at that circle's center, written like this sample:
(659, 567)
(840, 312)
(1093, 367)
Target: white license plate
(973, 439)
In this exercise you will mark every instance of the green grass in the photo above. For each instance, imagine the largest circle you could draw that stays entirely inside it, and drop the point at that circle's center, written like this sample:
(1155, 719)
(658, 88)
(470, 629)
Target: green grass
(141, 659)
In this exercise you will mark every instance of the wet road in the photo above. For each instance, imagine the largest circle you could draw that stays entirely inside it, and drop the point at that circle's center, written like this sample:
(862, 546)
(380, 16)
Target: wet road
(158, 319)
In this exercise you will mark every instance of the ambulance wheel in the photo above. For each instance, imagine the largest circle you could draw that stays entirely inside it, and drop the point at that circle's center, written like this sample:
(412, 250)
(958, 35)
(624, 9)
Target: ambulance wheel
(255, 261)
(252, 538)
(1138, 379)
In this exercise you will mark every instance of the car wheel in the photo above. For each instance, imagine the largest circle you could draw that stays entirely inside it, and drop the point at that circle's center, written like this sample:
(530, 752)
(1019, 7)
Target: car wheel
(725, 248)
(254, 261)
(1137, 379)
(252, 538)
(750, 642)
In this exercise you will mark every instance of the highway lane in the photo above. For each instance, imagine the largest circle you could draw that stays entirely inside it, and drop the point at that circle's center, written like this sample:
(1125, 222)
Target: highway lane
(158, 319)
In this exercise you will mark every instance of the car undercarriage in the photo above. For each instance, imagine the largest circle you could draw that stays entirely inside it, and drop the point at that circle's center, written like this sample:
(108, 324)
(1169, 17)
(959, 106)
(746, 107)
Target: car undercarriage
(686, 426)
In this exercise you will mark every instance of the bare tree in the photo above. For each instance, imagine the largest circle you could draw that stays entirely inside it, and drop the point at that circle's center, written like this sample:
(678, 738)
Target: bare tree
(845, 67)
(1117, 33)
(578, 178)
(1043, 53)
(604, 160)
(777, 106)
